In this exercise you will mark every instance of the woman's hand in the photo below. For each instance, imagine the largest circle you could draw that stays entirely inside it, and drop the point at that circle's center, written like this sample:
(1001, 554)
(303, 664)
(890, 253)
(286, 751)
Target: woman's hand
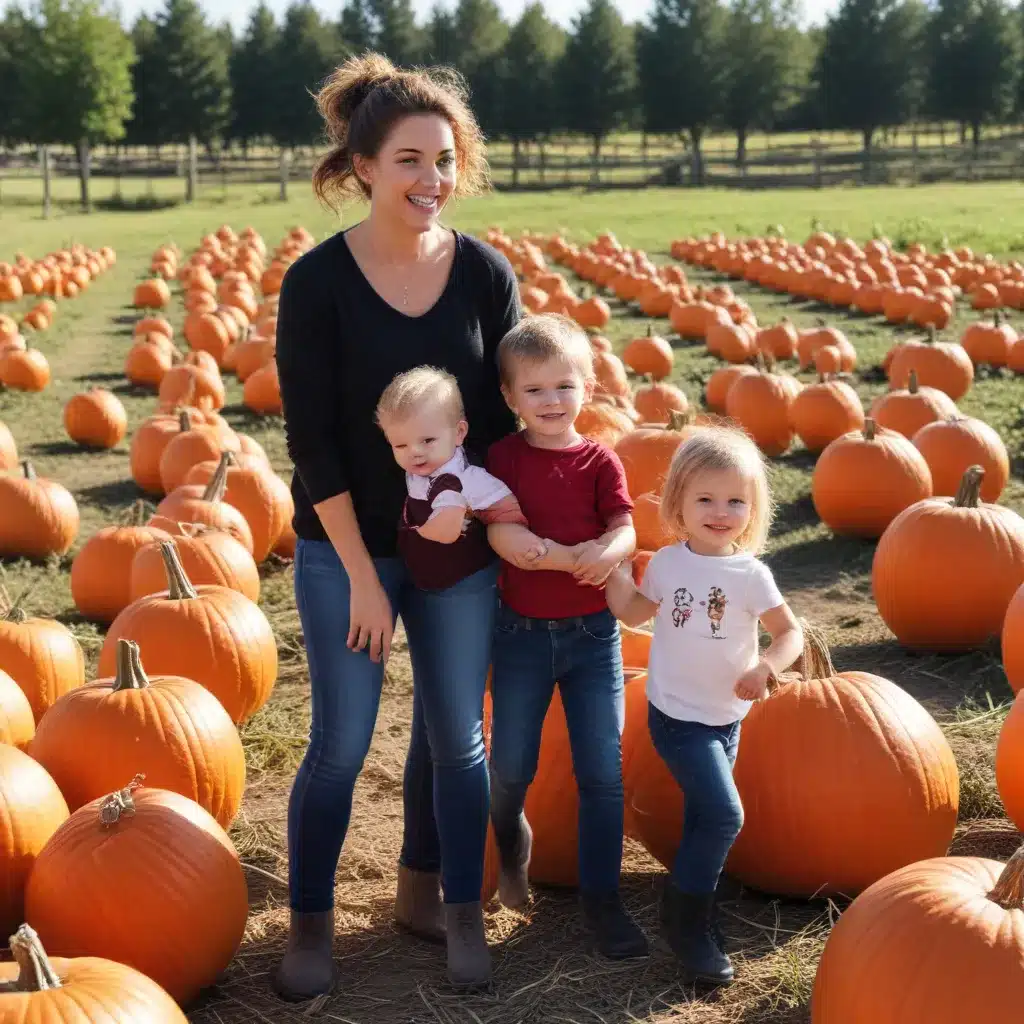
(370, 619)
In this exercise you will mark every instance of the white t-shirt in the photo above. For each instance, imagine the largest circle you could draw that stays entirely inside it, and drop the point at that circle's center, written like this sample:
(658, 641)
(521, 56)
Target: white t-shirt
(479, 488)
(705, 632)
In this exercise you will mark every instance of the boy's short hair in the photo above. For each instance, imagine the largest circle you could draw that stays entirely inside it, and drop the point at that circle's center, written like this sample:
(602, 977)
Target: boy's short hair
(542, 336)
(423, 385)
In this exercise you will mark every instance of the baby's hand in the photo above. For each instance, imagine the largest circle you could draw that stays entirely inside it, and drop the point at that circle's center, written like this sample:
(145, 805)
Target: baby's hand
(753, 684)
(593, 563)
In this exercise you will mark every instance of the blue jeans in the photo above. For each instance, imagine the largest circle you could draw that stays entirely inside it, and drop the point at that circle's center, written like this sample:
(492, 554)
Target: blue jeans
(584, 656)
(701, 758)
(449, 633)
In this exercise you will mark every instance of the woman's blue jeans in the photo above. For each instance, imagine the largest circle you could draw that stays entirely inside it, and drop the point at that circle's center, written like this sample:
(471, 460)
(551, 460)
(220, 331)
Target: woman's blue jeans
(701, 759)
(449, 634)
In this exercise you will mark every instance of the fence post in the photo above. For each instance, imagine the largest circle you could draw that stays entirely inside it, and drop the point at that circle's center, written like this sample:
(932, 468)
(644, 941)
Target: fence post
(817, 162)
(44, 159)
(192, 171)
(283, 170)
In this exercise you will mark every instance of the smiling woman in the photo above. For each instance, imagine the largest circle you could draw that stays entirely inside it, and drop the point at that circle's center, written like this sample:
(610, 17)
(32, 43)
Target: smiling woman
(396, 291)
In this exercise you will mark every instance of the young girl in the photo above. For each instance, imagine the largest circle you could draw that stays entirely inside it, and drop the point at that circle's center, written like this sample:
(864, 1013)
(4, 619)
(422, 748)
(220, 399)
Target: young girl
(707, 594)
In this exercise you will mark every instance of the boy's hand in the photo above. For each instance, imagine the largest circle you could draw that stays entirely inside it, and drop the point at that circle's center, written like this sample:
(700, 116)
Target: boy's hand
(753, 684)
(525, 549)
(594, 563)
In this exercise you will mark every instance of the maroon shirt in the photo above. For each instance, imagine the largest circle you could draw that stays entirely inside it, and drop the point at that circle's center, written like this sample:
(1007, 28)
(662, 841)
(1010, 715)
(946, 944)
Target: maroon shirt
(568, 495)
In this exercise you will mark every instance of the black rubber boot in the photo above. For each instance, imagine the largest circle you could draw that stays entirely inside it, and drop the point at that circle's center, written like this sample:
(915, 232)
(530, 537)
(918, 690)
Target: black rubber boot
(418, 907)
(616, 934)
(307, 970)
(689, 922)
(469, 958)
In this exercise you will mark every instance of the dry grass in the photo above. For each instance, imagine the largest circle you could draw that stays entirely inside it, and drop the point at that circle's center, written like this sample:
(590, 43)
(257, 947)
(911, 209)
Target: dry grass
(543, 972)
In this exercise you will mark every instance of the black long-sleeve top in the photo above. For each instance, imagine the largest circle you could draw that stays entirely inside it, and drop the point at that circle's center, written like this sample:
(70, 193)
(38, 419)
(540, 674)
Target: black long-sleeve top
(339, 344)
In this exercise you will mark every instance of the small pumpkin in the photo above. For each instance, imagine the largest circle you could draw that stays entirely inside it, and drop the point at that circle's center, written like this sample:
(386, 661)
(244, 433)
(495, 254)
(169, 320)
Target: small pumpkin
(719, 383)
(959, 601)
(939, 364)
(864, 479)
(649, 355)
(192, 444)
(647, 451)
(171, 728)
(262, 391)
(214, 635)
(149, 442)
(760, 402)
(24, 369)
(826, 410)
(907, 410)
(657, 401)
(951, 444)
(95, 419)
(147, 878)
(36, 988)
(38, 517)
(989, 342)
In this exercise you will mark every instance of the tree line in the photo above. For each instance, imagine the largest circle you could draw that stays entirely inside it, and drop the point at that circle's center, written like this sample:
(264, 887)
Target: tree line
(71, 73)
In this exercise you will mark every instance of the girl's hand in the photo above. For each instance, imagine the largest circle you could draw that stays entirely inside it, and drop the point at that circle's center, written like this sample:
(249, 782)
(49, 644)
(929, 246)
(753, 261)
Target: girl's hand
(753, 684)
(370, 619)
(595, 562)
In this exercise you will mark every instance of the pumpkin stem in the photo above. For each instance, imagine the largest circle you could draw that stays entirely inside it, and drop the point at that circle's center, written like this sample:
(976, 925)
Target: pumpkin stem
(912, 384)
(120, 803)
(968, 494)
(218, 483)
(869, 429)
(29, 470)
(184, 420)
(36, 973)
(178, 583)
(130, 675)
(677, 420)
(1008, 891)
(931, 334)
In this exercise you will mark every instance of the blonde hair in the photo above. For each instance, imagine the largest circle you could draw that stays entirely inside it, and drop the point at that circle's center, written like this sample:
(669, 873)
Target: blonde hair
(539, 337)
(424, 385)
(719, 447)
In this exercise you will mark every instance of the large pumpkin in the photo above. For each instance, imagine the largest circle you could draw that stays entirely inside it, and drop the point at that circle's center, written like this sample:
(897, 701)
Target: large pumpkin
(646, 454)
(214, 635)
(170, 728)
(938, 364)
(940, 941)
(907, 410)
(1010, 763)
(864, 479)
(17, 723)
(145, 877)
(38, 517)
(826, 410)
(951, 445)
(760, 403)
(86, 990)
(31, 810)
(1012, 640)
(958, 601)
(8, 449)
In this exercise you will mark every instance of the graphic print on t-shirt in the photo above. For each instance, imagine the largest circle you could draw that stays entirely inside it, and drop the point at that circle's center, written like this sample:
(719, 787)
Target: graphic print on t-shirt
(716, 611)
(683, 609)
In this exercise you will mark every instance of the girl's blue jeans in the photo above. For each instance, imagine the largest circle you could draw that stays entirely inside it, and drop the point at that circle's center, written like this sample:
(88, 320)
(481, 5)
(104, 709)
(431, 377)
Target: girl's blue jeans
(701, 758)
(583, 655)
(449, 634)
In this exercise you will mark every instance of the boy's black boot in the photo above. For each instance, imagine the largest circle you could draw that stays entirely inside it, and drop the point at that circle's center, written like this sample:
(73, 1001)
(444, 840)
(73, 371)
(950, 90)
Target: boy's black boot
(617, 935)
(689, 923)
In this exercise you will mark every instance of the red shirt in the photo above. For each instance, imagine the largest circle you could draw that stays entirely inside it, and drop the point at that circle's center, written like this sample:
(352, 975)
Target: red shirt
(568, 495)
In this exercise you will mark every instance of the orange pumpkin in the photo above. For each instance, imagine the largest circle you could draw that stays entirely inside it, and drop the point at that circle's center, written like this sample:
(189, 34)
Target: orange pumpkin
(989, 342)
(824, 411)
(907, 410)
(192, 444)
(939, 364)
(214, 635)
(149, 442)
(169, 727)
(24, 369)
(8, 449)
(152, 294)
(179, 908)
(1013, 641)
(38, 517)
(16, 721)
(646, 454)
(760, 402)
(650, 355)
(604, 422)
(95, 419)
(962, 598)
(864, 479)
(952, 444)
(719, 383)
(31, 810)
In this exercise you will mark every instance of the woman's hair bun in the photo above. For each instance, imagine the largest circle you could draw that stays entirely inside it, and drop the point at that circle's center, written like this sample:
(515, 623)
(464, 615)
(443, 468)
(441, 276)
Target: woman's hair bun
(356, 79)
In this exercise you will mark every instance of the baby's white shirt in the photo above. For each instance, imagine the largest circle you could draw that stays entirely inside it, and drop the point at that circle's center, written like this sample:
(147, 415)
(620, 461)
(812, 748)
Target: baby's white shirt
(705, 631)
(479, 488)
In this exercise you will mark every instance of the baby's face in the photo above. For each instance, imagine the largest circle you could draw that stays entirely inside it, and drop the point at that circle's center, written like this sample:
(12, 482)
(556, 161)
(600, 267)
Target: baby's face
(424, 440)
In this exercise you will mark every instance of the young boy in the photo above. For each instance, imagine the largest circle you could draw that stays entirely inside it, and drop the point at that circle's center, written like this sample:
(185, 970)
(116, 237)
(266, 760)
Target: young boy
(553, 623)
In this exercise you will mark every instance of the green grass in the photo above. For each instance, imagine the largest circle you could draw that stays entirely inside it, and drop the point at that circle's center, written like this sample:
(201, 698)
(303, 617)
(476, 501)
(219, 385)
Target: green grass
(540, 959)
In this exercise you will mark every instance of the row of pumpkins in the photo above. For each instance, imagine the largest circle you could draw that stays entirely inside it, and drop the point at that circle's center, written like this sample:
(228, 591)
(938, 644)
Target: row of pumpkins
(182, 587)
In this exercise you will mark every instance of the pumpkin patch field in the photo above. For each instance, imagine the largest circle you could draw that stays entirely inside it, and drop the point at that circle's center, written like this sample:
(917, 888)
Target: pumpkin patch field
(154, 703)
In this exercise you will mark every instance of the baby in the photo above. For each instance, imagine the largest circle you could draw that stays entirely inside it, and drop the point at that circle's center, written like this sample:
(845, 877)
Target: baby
(442, 536)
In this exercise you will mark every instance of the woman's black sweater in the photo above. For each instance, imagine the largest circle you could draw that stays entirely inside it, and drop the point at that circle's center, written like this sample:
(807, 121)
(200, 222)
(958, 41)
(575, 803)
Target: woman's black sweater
(339, 344)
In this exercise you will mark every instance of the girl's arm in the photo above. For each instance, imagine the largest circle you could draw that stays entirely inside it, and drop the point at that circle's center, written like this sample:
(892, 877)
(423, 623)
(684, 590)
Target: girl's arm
(787, 645)
(627, 604)
(598, 557)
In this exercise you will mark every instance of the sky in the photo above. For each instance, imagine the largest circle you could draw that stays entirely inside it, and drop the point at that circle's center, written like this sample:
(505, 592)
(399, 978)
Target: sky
(562, 11)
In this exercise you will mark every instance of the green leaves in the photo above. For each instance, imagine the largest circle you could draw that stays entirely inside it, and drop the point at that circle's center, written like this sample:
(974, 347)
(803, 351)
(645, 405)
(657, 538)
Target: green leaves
(254, 90)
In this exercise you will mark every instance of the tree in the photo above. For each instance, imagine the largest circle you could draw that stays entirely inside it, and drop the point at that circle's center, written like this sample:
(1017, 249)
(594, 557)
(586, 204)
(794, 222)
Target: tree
(144, 128)
(396, 33)
(308, 49)
(526, 80)
(597, 73)
(356, 26)
(190, 75)
(972, 63)
(868, 71)
(254, 90)
(480, 33)
(757, 56)
(13, 39)
(440, 45)
(682, 70)
(77, 78)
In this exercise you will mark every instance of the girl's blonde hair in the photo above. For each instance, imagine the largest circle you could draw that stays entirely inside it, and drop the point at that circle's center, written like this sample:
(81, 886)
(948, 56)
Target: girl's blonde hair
(719, 447)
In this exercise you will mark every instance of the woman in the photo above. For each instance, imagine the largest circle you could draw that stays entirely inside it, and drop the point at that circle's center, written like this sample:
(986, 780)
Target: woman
(395, 291)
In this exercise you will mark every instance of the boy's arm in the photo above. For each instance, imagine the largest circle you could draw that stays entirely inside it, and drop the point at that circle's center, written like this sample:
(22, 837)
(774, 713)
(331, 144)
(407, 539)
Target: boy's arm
(597, 558)
(626, 603)
(517, 545)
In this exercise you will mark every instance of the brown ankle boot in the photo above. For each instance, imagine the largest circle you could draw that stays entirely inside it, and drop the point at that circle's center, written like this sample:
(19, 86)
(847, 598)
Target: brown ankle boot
(513, 876)
(418, 904)
(307, 969)
(469, 958)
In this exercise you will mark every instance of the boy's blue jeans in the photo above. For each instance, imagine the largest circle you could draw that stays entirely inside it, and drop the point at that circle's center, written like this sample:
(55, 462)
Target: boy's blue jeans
(701, 758)
(583, 655)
